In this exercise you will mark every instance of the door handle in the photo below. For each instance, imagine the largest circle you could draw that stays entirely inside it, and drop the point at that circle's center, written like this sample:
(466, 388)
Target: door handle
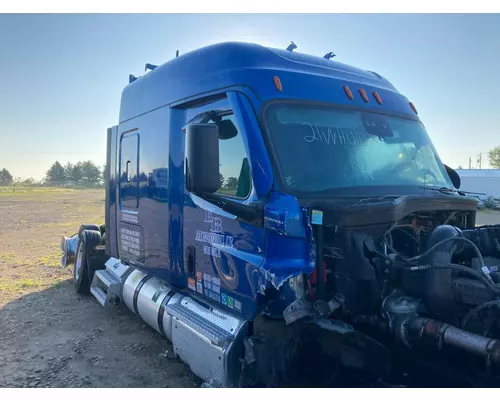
(127, 172)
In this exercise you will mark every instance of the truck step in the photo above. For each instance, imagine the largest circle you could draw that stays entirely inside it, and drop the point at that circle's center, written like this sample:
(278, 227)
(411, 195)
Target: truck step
(99, 294)
(107, 283)
(107, 279)
(105, 287)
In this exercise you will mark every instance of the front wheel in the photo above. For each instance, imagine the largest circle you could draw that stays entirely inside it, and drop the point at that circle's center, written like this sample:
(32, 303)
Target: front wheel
(80, 270)
(88, 260)
(87, 227)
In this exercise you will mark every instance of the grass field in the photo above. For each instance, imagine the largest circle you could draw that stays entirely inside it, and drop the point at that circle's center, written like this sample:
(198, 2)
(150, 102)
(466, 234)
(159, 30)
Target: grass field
(21, 189)
(31, 224)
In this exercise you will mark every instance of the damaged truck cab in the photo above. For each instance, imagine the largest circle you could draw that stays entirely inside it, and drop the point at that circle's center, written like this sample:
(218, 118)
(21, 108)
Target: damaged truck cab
(260, 202)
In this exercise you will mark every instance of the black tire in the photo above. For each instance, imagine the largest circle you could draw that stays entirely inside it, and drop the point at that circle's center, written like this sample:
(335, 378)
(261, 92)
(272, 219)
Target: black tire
(102, 229)
(95, 259)
(87, 227)
(80, 271)
(85, 263)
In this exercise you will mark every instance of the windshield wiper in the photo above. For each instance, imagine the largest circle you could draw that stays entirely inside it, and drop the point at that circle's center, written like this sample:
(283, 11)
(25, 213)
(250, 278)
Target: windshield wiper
(447, 190)
(377, 199)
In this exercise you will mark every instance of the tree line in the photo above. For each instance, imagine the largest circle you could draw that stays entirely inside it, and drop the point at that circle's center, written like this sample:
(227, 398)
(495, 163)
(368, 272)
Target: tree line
(229, 183)
(82, 171)
(494, 157)
(5, 177)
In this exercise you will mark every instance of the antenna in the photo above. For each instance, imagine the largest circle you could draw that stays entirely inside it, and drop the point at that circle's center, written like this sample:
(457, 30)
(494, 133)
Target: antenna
(177, 54)
(150, 66)
(291, 47)
(132, 78)
(329, 55)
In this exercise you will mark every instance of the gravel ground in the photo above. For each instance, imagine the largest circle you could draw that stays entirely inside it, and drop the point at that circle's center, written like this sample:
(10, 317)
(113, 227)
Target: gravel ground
(50, 336)
(55, 338)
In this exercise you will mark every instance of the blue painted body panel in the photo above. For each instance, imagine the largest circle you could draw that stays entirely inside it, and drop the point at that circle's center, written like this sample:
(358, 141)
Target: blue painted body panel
(228, 65)
(169, 220)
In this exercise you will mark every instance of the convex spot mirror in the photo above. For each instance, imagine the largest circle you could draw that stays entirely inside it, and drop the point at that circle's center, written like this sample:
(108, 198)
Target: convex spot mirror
(227, 130)
(455, 178)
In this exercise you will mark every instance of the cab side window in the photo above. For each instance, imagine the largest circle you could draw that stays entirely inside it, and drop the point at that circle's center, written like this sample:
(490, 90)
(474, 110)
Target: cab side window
(235, 178)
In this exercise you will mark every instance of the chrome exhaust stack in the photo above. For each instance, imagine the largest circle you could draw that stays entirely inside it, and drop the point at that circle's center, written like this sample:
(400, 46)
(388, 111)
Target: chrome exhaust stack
(68, 248)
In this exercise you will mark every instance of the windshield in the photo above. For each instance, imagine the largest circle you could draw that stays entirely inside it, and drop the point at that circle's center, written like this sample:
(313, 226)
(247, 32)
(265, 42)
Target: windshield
(321, 149)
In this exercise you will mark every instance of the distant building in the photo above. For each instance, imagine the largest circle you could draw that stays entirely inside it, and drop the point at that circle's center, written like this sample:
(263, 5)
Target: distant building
(481, 181)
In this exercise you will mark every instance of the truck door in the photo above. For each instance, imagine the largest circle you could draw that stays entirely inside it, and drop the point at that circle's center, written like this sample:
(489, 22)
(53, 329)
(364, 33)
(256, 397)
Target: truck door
(130, 235)
(222, 253)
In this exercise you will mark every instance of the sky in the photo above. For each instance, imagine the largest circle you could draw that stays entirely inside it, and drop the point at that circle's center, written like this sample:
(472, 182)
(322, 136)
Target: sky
(61, 76)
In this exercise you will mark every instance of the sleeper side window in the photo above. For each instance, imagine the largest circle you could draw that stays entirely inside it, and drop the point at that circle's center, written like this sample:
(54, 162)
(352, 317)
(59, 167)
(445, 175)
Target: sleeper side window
(235, 177)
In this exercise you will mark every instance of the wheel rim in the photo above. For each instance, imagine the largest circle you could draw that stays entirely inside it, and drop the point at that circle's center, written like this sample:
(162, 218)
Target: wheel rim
(78, 262)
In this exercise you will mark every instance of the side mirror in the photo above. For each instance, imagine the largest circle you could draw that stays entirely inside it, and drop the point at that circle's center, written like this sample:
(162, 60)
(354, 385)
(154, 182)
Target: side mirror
(202, 158)
(455, 178)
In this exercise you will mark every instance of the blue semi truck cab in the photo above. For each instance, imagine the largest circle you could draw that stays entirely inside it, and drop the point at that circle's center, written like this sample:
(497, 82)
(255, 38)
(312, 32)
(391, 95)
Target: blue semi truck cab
(261, 201)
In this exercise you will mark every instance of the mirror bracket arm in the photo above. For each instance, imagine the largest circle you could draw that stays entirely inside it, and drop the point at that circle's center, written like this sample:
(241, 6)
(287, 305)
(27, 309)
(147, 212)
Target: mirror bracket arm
(245, 212)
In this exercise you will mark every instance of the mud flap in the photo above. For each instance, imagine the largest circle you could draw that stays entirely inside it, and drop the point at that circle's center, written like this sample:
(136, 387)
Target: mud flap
(95, 252)
(97, 257)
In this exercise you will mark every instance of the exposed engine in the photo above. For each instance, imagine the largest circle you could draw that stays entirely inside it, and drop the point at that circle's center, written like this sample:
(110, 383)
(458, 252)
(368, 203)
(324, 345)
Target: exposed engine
(428, 283)
(450, 269)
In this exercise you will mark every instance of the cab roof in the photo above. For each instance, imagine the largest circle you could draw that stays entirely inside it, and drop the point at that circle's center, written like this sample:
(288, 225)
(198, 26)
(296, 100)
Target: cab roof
(235, 64)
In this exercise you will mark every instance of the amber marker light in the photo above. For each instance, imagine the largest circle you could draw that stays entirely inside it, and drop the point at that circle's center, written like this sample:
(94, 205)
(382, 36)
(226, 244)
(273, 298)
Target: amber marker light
(277, 83)
(363, 95)
(348, 93)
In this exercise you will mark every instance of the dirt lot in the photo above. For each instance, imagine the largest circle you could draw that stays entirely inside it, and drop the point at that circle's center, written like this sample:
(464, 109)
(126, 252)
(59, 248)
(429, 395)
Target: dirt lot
(49, 336)
(488, 217)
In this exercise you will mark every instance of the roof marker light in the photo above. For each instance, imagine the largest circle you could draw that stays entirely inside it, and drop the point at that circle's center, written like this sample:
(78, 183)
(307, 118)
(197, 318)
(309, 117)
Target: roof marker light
(363, 95)
(413, 107)
(277, 83)
(348, 93)
(377, 97)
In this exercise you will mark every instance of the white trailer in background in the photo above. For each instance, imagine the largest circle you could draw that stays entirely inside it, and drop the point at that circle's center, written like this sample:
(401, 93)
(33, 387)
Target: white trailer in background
(481, 181)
